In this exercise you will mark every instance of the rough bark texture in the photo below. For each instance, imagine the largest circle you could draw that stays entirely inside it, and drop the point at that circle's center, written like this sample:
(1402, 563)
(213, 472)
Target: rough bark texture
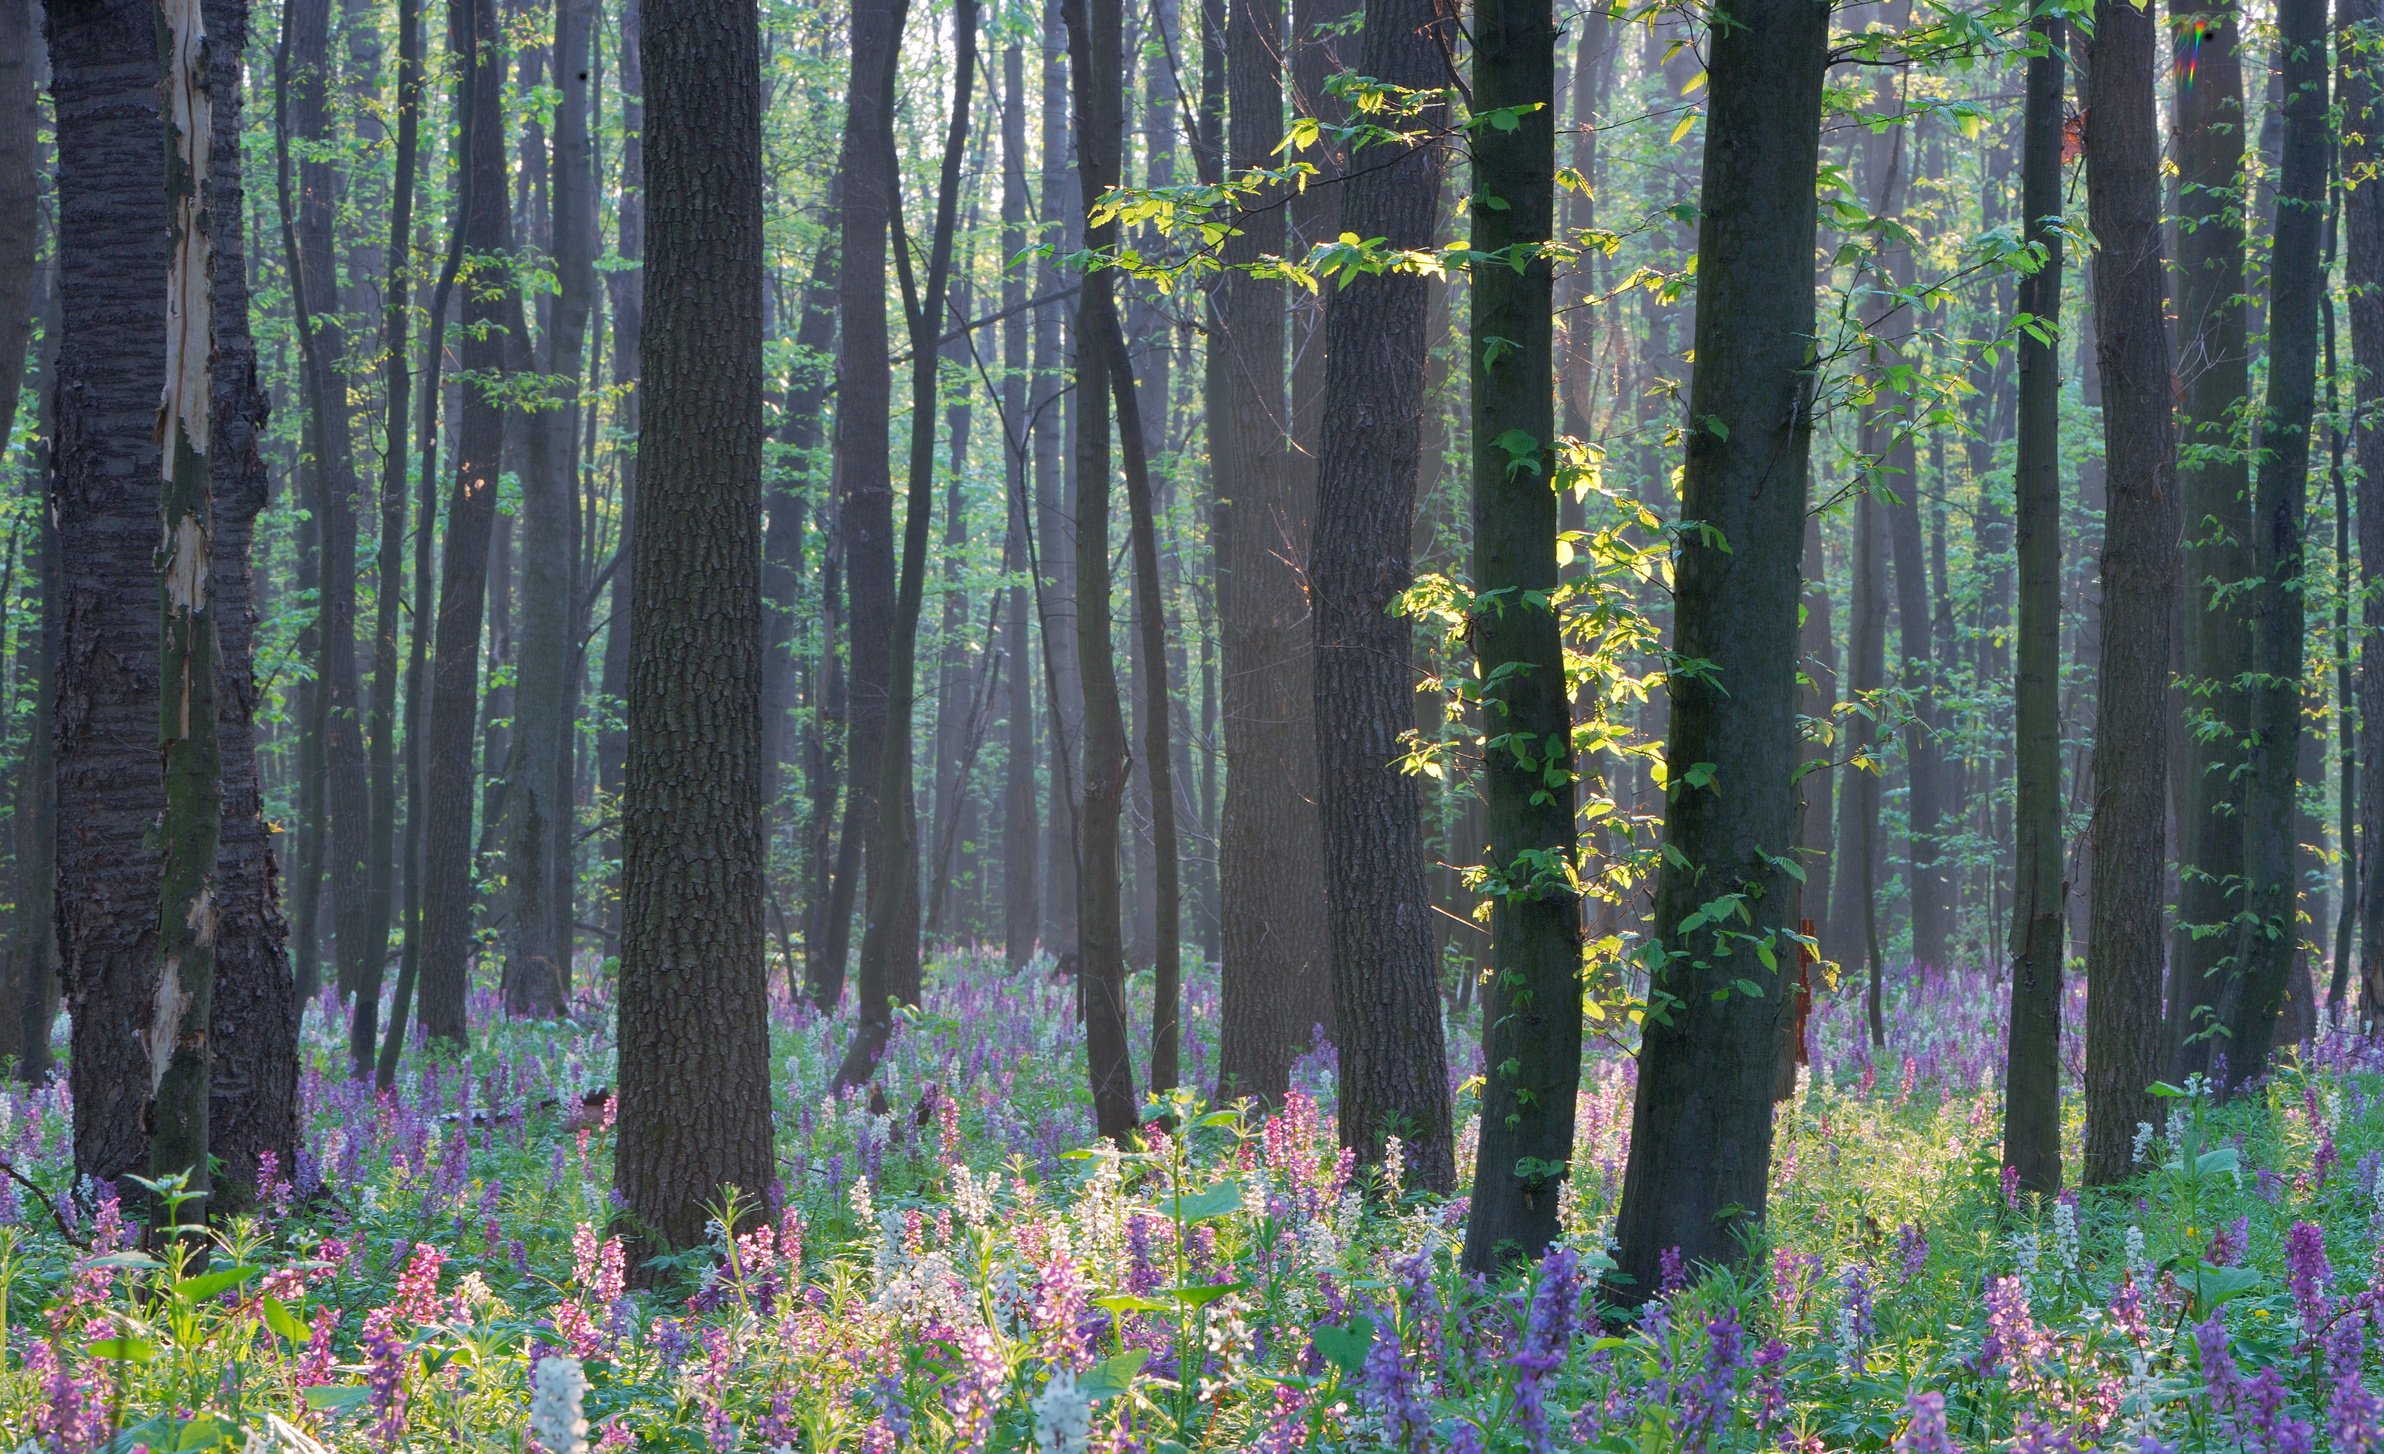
(2032, 1060)
(1021, 819)
(105, 472)
(1700, 1157)
(2270, 933)
(1531, 1001)
(1385, 963)
(20, 209)
(694, 1011)
(2214, 482)
(1277, 936)
(471, 516)
(2139, 594)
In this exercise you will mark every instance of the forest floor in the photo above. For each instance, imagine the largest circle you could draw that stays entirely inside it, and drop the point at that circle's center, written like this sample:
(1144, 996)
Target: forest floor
(958, 1269)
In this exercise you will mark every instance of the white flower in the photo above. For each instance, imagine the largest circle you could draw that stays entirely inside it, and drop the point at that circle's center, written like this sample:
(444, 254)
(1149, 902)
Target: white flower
(1849, 1346)
(1063, 1416)
(864, 1206)
(1394, 1167)
(1257, 1187)
(2065, 1235)
(277, 1433)
(2143, 1141)
(556, 1421)
(2138, 1265)
(2025, 1252)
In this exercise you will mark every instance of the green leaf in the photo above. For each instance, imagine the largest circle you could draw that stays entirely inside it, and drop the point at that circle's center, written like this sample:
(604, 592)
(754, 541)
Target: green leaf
(1129, 1303)
(1345, 1345)
(2214, 1285)
(336, 1398)
(1112, 1376)
(203, 1432)
(2224, 1160)
(201, 1288)
(1220, 1200)
(281, 1320)
(125, 1259)
(1200, 1295)
(124, 1350)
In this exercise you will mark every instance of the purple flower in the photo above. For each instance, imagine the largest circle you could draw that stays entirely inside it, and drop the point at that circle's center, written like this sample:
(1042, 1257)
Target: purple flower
(1912, 1250)
(2354, 1414)
(1547, 1338)
(1708, 1398)
(2307, 1272)
(1387, 1386)
(1924, 1426)
(2228, 1245)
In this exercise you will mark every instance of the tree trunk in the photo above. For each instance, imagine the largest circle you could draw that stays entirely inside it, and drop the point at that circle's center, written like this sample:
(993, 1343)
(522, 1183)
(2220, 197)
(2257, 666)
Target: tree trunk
(538, 842)
(471, 517)
(2214, 480)
(2363, 280)
(865, 485)
(890, 941)
(1385, 964)
(1700, 1158)
(1277, 983)
(626, 286)
(189, 741)
(2032, 1060)
(1021, 822)
(2139, 593)
(694, 1009)
(2270, 941)
(1531, 1010)
(1094, 74)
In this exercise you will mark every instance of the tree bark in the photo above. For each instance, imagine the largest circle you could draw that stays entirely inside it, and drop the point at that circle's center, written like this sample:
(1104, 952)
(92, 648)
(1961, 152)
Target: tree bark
(1700, 1157)
(1021, 820)
(2270, 937)
(2139, 594)
(2032, 1057)
(694, 1010)
(471, 517)
(1385, 963)
(2363, 279)
(2214, 480)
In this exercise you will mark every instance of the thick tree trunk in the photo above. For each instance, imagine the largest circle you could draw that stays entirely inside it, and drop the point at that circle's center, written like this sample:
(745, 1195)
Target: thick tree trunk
(1700, 1158)
(1277, 935)
(2214, 480)
(865, 485)
(471, 516)
(2139, 594)
(2032, 1058)
(1385, 964)
(694, 1016)
(2270, 942)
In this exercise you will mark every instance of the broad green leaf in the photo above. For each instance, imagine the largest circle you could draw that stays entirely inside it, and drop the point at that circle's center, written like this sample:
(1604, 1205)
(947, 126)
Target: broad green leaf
(1113, 1375)
(1345, 1346)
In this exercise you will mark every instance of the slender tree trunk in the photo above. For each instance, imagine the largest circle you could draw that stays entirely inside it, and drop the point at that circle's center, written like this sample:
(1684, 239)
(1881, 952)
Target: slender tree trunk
(1055, 559)
(2032, 1059)
(1531, 1013)
(35, 931)
(626, 285)
(1385, 964)
(539, 841)
(1021, 822)
(890, 964)
(20, 197)
(471, 514)
(1101, 370)
(865, 485)
(2271, 934)
(2363, 287)
(2214, 481)
(1700, 1158)
(694, 1011)
(2139, 593)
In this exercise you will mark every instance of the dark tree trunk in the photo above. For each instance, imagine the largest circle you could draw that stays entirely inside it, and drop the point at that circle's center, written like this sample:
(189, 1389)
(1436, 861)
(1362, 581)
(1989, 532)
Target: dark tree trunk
(2363, 279)
(2214, 481)
(890, 964)
(1095, 79)
(2032, 1060)
(538, 841)
(1385, 964)
(389, 562)
(782, 547)
(864, 482)
(1700, 1157)
(1277, 935)
(1854, 888)
(626, 288)
(1021, 822)
(447, 866)
(1055, 561)
(302, 85)
(2270, 933)
(109, 788)
(20, 197)
(1531, 1008)
(2139, 594)
(694, 1011)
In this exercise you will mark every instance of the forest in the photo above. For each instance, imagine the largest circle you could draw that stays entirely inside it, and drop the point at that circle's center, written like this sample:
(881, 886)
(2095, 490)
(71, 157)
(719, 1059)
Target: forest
(1398, 725)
